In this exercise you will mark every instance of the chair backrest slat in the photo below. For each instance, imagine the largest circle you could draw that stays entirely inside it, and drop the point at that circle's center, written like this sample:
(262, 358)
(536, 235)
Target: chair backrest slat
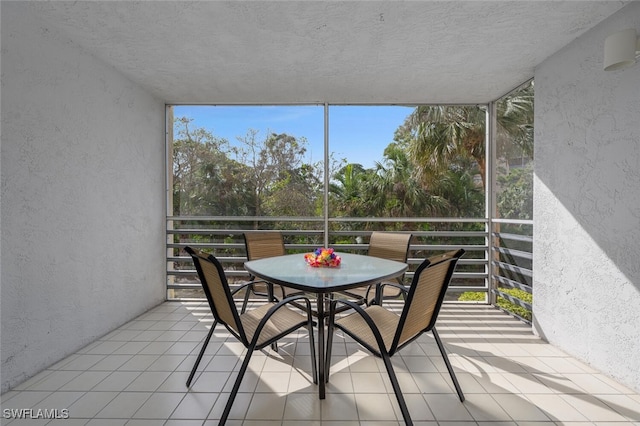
(216, 289)
(425, 297)
(262, 244)
(389, 245)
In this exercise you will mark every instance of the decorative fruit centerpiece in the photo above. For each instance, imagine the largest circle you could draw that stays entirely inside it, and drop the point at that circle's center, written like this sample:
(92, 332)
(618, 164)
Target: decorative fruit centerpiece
(323, 257)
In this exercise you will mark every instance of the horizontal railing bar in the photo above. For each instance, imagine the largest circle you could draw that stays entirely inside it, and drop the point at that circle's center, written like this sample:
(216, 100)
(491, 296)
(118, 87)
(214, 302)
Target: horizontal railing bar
(513, 268)
(308, 247)
(408, 220)
(470, 275)
(245, 219)
(197, 285)
(459, 288)
(222, 259)
(320, 219)
(513, 221)
(337, 247)
(517, 253)
(189, 272)
(512, 283)
(237, 246)
(207, 231)
(238, 259)
(447, 247)
(243, 273)
(453, 289)
(203, 231)
(475, 262)
(225, 259)
(513, 237)
(244, 259)
(464, 261)
(413, 247)
(461, 234)
(184, 286)
(419, 233)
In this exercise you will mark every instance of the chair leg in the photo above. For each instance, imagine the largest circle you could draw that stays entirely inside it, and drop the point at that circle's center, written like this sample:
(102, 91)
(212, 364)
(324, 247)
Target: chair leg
(448, 364)
(245, 300)
(377, 297)
(396, 389)
(312, 345)
(329, 343)
(204, 347)
(236, 386)
(272, 299)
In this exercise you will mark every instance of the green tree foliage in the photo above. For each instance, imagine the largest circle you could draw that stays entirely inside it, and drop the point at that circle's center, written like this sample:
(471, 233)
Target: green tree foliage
(206, 182)
(260, 176)
(390, 189)
(348, 191)
(515, 152)
(515, 198)
(278, 175)
(515, 124)
(434, 167)
(399, 192)
(441, 134)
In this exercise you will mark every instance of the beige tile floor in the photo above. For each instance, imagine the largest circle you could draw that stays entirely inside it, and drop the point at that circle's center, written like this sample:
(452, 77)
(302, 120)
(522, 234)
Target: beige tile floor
(136, 375)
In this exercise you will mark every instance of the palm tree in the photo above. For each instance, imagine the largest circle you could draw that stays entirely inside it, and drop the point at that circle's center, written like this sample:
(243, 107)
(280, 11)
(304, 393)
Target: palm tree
(441, 133)
(515, 123)
(347, 190)
(394, 189)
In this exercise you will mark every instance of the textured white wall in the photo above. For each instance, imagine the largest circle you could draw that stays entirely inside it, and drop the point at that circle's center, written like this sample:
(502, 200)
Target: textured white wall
(82, 198)
(587, 204)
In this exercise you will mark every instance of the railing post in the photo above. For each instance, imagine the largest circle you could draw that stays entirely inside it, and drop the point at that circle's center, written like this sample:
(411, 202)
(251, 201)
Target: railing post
(492, 208)
(169, 196)
(326, 175)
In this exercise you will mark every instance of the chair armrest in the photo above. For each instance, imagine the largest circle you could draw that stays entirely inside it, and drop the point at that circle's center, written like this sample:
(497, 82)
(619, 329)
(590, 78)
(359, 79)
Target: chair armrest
(334, 303)
(379, 293)
(240, 286)
(365, 316)
(399, 286)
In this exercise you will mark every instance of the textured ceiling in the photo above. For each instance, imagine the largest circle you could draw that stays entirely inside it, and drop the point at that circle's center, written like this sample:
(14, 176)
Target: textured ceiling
(315, 52)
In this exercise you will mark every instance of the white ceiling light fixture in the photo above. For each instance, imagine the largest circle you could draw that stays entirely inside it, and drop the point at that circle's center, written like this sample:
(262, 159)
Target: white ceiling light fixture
(621, 50)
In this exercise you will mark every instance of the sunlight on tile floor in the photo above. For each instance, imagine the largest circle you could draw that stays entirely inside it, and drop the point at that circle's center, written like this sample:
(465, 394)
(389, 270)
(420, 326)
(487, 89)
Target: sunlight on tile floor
(136, 376)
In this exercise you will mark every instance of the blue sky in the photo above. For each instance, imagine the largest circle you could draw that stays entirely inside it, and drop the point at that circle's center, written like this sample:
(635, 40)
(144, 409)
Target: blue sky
(358, 133)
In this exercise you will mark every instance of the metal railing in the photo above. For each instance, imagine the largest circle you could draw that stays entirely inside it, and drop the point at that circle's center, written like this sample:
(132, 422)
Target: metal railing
(223, 236)
(512, 267)
(498, 266)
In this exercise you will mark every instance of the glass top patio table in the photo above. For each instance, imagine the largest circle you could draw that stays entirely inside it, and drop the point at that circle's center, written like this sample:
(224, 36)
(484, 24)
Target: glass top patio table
(354, 271)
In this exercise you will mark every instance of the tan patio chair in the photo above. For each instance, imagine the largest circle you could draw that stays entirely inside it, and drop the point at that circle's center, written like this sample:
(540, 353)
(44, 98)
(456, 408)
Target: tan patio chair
(259, 245)
(384, 332)
(386, 245)
(256, 328)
